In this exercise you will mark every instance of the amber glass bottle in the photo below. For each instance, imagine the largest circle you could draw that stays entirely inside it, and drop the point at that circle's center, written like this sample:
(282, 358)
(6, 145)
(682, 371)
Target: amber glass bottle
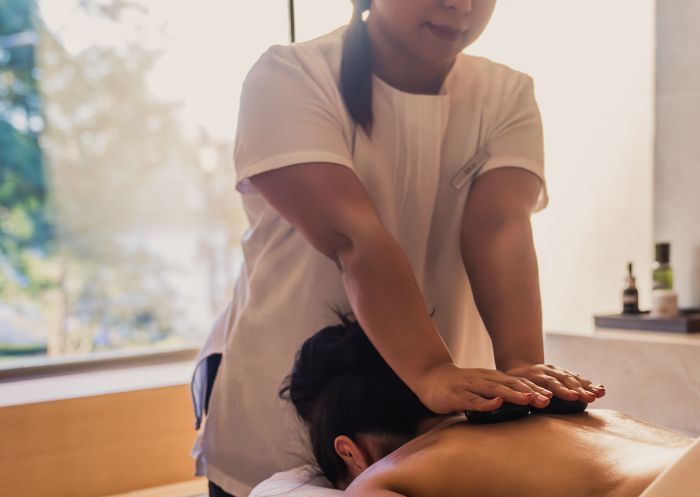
(630, 295)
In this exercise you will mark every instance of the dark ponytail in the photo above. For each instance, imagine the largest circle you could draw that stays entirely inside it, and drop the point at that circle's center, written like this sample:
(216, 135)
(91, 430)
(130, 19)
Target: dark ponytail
(340, 385)
(356, 68)
(336, 413)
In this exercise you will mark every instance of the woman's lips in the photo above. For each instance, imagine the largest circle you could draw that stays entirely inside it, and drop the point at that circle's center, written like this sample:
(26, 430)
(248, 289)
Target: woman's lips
(444, 32)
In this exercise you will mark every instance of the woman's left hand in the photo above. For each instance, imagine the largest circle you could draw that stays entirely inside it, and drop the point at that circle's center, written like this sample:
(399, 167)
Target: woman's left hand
(563, 384)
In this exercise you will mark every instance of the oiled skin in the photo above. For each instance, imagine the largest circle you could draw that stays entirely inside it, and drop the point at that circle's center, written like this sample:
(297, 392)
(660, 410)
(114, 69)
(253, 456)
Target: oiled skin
(599, 453)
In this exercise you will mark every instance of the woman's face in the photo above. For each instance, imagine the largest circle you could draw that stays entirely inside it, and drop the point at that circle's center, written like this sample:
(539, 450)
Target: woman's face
(433, 30)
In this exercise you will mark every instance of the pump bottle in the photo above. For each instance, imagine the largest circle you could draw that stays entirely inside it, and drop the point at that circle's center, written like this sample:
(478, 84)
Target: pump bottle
(663, 274)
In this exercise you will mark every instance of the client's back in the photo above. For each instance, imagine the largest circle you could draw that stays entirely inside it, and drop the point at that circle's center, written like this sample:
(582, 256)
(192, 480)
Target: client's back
(600, 453)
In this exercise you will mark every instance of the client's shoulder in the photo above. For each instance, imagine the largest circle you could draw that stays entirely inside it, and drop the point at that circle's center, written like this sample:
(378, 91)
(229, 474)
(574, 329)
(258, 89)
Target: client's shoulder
(412, 468)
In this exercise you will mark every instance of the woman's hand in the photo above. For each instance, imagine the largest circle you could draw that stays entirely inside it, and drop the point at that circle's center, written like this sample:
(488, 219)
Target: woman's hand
(563, 384)
(447, 388)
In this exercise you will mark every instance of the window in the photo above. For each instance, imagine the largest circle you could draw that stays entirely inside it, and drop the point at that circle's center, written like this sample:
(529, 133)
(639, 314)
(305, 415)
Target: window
(315, 18)
(120, 222)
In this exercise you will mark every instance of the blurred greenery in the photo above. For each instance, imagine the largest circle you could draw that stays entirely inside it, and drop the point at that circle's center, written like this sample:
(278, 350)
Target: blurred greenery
(11, 350)
(25, 224)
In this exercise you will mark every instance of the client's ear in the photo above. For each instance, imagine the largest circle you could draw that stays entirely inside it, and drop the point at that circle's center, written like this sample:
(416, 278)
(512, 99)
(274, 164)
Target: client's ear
(355, 458)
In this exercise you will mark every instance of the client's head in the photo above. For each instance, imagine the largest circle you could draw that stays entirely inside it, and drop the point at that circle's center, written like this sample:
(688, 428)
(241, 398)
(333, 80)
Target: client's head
(356, 408)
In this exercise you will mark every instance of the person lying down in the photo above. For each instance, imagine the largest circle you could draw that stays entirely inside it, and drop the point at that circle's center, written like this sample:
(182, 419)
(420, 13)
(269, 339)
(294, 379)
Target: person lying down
(371, 436)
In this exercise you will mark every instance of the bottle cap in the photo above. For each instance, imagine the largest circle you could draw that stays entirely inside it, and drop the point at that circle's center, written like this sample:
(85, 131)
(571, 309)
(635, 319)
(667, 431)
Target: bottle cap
(663, 252)
(629, 278)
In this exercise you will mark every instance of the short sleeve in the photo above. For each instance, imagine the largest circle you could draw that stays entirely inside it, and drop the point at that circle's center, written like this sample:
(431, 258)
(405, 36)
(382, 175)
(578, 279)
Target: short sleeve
(289, 114)
(517, 139)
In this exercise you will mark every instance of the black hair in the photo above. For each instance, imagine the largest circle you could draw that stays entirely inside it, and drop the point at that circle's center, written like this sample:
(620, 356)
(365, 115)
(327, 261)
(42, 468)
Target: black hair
(341, 385)
(356, 68)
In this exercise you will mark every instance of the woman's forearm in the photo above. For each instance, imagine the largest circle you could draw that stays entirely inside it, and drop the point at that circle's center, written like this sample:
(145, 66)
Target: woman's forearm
(502, 266)
(389, 306)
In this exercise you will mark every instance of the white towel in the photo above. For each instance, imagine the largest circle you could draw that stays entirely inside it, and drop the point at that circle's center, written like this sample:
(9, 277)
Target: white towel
(304, 481)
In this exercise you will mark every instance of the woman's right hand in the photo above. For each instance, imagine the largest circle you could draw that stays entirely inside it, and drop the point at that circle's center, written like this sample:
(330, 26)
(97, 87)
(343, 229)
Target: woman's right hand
(447, 388)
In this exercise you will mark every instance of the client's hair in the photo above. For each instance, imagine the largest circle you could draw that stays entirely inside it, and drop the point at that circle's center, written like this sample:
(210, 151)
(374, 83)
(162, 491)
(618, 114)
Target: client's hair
(340, 385)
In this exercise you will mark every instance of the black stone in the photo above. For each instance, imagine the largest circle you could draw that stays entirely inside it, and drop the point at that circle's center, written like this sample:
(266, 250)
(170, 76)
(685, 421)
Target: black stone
(506, 412)
(560, 406)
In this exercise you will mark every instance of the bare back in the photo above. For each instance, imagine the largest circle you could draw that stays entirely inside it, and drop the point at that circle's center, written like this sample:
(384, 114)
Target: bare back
(599, 453)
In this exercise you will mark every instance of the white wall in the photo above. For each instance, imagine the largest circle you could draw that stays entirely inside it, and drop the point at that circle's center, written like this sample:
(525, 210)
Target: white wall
(593, 66)
(664, 368)
(677, 182)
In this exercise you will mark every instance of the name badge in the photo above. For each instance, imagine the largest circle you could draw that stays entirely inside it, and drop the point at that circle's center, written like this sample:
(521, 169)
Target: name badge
(470, 168)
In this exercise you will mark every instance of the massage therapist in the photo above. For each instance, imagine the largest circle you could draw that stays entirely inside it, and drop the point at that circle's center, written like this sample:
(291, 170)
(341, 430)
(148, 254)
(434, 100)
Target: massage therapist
(384, 172)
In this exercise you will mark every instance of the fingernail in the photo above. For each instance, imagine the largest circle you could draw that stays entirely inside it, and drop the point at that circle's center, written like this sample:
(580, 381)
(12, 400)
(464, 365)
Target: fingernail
(542, 397)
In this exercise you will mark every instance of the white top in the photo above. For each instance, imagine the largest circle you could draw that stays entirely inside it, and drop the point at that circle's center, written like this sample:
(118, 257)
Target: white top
(417, 168)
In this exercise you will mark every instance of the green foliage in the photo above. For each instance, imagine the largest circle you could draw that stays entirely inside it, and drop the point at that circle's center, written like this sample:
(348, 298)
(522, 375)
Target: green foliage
(24, 223)
(11, 349)
(15, 15)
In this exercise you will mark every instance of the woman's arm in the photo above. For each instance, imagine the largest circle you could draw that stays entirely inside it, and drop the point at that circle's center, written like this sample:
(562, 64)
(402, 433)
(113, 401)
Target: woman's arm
(331, 208)
(327, 203)
(499, 257)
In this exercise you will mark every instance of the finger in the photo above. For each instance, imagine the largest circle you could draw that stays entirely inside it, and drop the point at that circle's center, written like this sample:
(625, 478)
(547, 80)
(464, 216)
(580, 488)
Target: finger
(597, 390)
(490, 385)
(517, 383)
(535, 387)
(573, 382)
(543, 395)
(585, 395)
(495, 389)
(586, 384)
(558, 388)
(565, 378)
(473, 402)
